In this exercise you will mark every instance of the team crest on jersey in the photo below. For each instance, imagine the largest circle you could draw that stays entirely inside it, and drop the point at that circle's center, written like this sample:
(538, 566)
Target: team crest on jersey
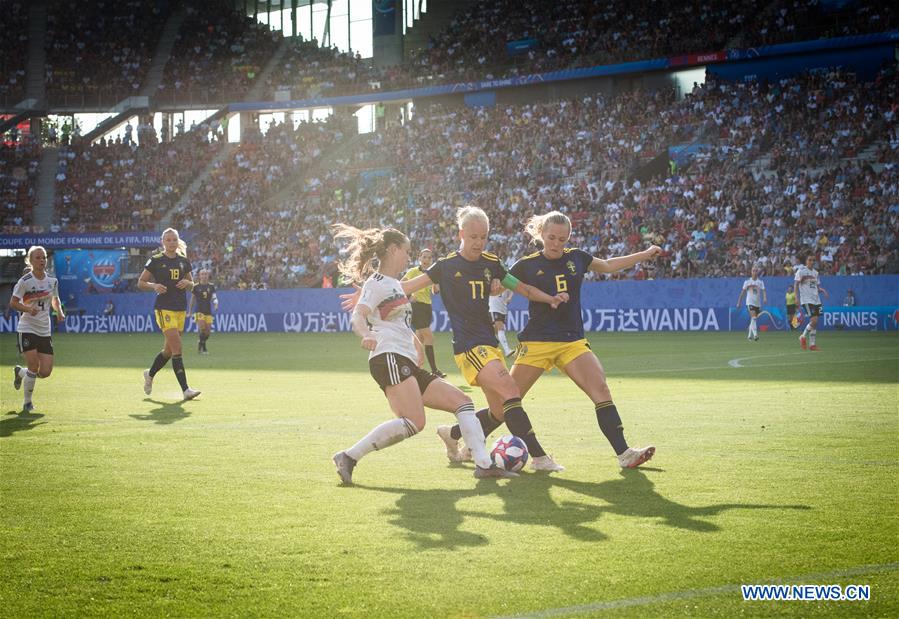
(571, 267)
(540, 272)
(458, 274)
(482, 352)
(487, 275)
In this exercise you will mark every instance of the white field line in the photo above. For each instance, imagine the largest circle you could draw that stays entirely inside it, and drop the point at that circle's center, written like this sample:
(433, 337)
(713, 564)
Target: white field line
(736, 363)
(698, 593)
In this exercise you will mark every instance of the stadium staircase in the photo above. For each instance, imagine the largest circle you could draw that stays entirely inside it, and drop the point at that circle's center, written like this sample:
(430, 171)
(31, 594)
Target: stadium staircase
(35, 72)
(163, 53)
(329, 159)
(435, 20)
(226, 151)
(46, 188)
(257, 92)
(35, 89)
(132, 106)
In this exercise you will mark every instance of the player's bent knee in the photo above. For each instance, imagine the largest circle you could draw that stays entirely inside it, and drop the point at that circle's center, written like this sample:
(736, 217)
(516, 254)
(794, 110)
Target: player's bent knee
(42, 373)
(418, 423)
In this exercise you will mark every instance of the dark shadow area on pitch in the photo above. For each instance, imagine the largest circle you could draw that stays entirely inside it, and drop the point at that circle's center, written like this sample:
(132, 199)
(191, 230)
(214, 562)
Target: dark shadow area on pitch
(430, 517)
(632, 495)
(22, 422)
(168, 412)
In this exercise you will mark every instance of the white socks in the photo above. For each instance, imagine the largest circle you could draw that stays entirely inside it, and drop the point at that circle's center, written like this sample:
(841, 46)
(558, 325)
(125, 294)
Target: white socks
(811, 337)
(501, 336)
(383, 436)
(753, 328)
(28, 384)
(473, 434)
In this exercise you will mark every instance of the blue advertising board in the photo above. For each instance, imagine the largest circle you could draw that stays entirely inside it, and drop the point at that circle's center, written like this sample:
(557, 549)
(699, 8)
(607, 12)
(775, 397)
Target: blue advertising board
(87, 271)
(619, 306)
(84, 240)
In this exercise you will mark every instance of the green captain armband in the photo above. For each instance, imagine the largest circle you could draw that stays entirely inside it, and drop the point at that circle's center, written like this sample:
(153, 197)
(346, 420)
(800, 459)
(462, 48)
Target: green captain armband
(510, 281)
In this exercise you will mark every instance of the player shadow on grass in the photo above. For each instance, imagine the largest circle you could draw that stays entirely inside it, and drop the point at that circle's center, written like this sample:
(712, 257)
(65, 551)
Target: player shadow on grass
(20, 423)
(168, 412)
(430, 516)
(632, 495)
(433, 520)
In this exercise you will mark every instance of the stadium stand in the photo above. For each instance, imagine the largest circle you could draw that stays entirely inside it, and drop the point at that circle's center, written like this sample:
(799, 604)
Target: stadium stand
(116, 186)
(13, 51)
(249, 242)
(217, 57)
(98, 53)
(765, 168)
(760, 187)
(18, 170)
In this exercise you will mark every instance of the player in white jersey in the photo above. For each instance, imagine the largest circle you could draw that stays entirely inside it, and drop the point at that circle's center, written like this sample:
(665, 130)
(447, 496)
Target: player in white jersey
(383, 319)
(807, 285)
(754, 289)
(499, 309)
(33, 296)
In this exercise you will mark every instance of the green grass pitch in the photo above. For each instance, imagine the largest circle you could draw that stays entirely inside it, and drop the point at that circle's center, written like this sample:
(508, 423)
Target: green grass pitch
(773, 465)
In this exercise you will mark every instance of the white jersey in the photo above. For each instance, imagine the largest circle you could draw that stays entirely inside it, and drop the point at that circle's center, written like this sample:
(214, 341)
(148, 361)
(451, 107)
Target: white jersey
(499, 304)
(37, 293)
(808, 285)
(390, 317)
(753, 289)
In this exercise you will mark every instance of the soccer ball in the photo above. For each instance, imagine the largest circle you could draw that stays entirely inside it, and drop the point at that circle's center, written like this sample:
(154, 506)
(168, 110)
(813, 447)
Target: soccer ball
(510, 453)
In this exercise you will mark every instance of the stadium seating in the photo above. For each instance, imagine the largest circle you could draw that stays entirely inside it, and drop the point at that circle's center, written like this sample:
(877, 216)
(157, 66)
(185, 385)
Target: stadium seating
(98, 53)
(13, 52)
(217, 57)
(119, 186)
(18, 170)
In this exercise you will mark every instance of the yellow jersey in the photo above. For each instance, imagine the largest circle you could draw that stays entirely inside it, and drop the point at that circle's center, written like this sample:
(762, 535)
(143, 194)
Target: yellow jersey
(423, 295)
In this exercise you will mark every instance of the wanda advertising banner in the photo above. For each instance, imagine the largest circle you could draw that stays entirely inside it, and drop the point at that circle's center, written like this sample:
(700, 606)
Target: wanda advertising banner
(614, 306)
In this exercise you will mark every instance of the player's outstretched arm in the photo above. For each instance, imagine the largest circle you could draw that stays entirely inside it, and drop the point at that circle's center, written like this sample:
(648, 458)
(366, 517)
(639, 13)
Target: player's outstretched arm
(415, 284)
(349, 300)
(534, 294)
(620, 263)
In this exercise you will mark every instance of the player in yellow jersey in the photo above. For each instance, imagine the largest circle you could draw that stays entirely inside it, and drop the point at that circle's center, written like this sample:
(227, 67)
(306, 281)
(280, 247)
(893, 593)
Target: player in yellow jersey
(421, 309)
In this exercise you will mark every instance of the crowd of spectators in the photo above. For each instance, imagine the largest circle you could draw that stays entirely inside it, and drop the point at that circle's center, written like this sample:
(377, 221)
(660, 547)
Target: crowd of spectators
(99, 52)
(125, 186)
(248, 241)
(773, 170)
(218, 55)
(575, 33)
(713, 217)
(13, 51)
(308, 70)
(18, 172)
